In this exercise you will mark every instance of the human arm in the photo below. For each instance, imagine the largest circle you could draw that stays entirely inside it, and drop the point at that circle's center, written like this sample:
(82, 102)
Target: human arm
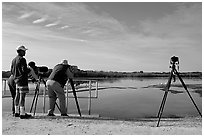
(32, 74)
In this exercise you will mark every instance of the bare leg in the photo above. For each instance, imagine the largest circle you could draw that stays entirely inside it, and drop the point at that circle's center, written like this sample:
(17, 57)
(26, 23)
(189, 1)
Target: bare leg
(16, 102)
(22, 99)
(22, 103)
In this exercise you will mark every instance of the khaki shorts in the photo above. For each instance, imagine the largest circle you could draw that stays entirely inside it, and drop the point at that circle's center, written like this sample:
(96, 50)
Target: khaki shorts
(22, 89)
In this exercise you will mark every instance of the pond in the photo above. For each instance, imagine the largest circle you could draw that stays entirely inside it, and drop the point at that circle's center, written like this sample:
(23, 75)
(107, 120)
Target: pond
(129, 98)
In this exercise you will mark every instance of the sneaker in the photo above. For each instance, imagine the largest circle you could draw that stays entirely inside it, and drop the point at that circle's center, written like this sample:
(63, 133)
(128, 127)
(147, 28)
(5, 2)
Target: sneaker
(50, 114)
(26, 116)
(64, 115)
(16, 115)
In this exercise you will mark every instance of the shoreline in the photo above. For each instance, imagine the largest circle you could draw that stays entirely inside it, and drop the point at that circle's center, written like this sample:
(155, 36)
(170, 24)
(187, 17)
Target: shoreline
(93, 125)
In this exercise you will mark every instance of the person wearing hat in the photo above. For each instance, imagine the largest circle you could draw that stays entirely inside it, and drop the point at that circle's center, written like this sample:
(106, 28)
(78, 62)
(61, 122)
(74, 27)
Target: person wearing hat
(12, 85)
(19, 72)
(55, 84)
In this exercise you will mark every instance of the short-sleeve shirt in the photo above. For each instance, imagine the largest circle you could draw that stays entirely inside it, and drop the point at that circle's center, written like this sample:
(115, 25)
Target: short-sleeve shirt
(19, 71)
(61, 73)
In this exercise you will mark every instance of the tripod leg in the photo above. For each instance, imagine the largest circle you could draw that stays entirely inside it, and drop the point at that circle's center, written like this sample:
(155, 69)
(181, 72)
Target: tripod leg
(44, 96)
(164, 98)
(57, 106)
(75, 96)
(37, 94)
(166, 89)
(188, 92)
(35, 105)
(162, 103)
(34, 98)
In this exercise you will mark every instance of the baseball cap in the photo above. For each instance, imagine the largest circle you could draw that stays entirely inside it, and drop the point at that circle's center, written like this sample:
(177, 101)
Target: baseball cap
(21, 48)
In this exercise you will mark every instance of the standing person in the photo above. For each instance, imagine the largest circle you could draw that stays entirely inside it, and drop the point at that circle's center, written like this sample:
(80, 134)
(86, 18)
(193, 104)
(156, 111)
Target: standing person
(55, 84)
(19, 71)
(12, 85)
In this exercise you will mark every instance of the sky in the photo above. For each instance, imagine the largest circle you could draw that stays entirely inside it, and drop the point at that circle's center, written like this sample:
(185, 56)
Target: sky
(107, 36)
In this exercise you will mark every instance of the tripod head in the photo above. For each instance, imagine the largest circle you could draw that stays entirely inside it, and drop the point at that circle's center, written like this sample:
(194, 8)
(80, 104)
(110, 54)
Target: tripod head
(174, 62)
(42, 73)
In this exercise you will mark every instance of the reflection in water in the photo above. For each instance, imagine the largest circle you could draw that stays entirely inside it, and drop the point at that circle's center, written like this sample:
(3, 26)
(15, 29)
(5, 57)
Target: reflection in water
(196, 88)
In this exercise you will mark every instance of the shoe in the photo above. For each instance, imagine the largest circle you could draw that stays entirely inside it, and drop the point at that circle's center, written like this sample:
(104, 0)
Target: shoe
(16, 115)
(64, 115)
(26, 116)
(50, 114)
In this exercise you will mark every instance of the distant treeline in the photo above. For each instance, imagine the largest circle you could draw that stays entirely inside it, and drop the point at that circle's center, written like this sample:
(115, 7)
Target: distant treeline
(111, 74)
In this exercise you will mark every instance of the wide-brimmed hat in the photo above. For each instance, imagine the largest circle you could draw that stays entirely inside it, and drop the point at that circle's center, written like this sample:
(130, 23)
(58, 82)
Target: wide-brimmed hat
(64, 62)
(21, 48)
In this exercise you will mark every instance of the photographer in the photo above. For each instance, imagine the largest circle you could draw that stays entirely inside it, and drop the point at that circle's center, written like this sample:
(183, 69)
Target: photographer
(33, 71)
(55, 84)
(33, 68)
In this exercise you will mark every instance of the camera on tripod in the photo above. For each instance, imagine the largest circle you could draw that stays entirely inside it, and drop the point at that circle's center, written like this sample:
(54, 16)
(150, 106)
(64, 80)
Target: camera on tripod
(39, 71)
(42, 71)
(174, 61)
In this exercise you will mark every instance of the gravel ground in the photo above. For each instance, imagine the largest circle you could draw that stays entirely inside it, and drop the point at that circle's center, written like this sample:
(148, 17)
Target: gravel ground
(92, 125)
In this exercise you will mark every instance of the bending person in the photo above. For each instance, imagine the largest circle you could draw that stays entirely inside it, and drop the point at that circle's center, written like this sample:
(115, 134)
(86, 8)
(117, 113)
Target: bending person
(55, 84)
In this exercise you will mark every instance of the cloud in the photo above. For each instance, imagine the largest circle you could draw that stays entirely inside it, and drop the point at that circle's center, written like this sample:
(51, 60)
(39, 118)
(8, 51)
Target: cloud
(40, 20)
(64, 27)
(52, 24)
(78, 15)
(103, 35)
(26, 15)
(34, 33)
(186, 22)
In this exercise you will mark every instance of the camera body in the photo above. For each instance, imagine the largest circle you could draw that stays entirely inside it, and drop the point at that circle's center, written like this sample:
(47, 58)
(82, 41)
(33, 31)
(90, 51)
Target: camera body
(174, 60)
(42, 70)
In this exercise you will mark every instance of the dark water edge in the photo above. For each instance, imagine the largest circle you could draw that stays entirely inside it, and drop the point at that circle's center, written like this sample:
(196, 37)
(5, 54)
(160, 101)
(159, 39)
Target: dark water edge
(91, 74)
(196, 88)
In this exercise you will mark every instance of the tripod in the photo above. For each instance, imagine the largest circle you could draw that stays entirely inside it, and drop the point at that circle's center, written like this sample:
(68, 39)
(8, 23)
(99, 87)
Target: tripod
(174, 61)
(37, 89)
(35, 98)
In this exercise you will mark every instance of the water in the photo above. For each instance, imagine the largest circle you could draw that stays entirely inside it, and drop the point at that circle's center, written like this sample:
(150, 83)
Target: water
(133, 98)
